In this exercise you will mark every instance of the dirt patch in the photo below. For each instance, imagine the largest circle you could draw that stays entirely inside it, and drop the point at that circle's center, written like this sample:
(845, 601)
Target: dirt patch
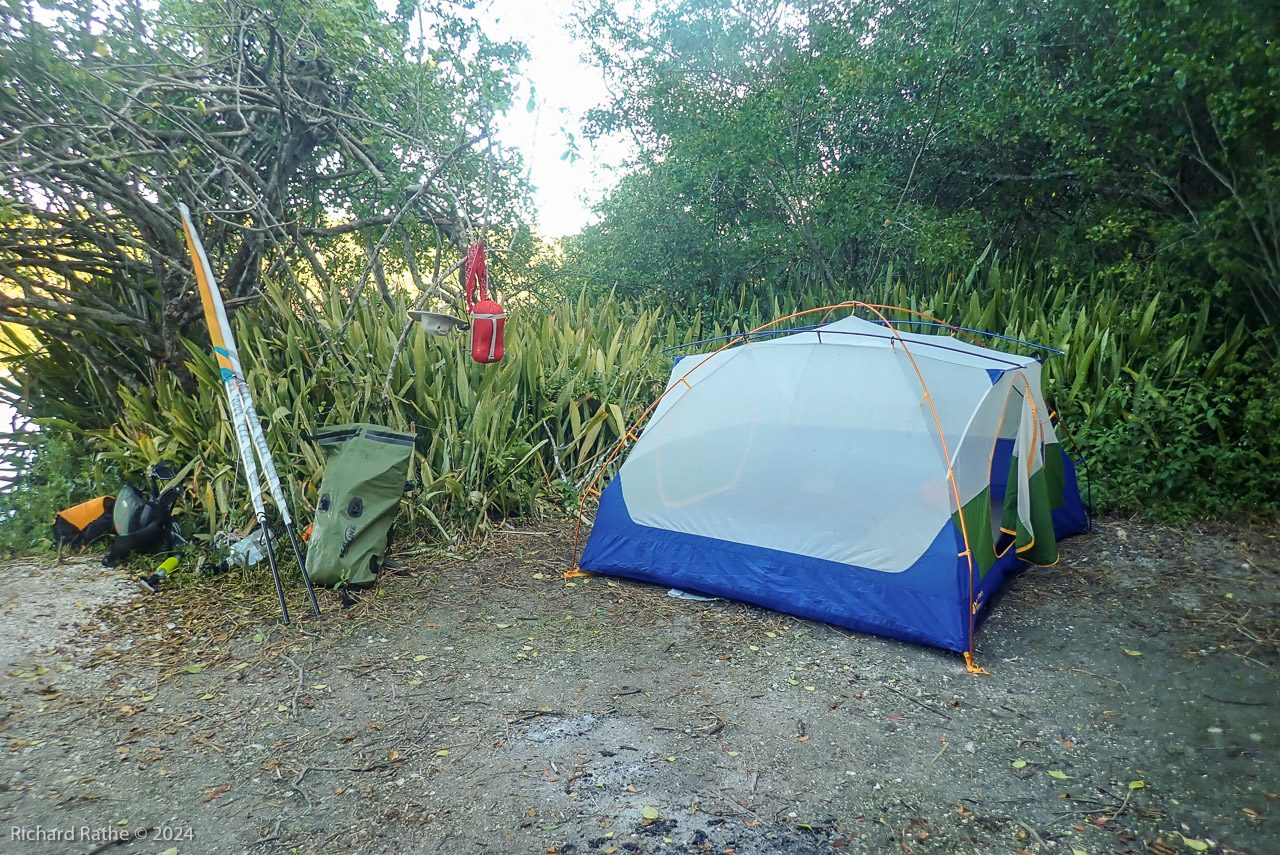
(487, 705)
(47, 605)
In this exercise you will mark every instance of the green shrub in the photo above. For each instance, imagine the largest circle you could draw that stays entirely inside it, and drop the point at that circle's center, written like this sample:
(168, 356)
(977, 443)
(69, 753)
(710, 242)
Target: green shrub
(1195, 447)
(1173, 405)
(58, 474)
(492, 440)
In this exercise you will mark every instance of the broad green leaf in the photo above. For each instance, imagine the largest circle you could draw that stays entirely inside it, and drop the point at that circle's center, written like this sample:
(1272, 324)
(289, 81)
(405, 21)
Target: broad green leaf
(1193, 843)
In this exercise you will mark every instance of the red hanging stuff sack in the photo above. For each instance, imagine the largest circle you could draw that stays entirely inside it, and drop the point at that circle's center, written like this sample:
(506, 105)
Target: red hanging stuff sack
(487, 317)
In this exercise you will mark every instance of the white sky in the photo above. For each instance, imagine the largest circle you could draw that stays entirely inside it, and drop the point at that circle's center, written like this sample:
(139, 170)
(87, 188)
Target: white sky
(566, 87)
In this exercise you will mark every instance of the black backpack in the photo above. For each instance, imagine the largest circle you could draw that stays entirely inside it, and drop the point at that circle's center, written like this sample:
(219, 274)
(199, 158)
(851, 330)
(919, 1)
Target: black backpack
(145, 523)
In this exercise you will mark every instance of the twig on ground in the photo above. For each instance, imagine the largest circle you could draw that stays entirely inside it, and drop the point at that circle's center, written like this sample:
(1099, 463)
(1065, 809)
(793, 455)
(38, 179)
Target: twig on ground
(526, 715)
(1259, 664)
(293, 704)
(124, 838)
(1238, 703)
(1100, 677)
(920, 704)
(1031, 831)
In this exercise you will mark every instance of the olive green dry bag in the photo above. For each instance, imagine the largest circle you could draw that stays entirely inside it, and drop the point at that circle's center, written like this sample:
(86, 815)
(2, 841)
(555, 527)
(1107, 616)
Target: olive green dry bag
(364, 479)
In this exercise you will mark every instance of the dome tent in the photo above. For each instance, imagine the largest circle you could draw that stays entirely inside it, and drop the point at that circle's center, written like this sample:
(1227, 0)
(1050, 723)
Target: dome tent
(884, 481)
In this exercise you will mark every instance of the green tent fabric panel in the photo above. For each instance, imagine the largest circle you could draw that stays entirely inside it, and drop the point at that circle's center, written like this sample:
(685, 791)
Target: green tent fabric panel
(364, 476)
(1034, 539)
(1036, 544)
(976, 516)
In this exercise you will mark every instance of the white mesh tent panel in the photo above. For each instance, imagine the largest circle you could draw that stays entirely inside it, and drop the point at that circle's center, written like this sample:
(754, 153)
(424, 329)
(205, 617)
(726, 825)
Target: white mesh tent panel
(816, 450)
(822, 443)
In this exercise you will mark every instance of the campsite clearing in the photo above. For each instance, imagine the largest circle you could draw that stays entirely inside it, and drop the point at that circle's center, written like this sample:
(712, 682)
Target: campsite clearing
(487, 705)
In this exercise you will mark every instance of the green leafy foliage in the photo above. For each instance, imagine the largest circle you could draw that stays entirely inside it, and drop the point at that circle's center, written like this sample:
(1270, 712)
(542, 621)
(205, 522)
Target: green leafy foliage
(1171, 406)
(786, 145)
(57, 474)
(492, 440)
(1174, 417)
(316, 142)
(1117, 160)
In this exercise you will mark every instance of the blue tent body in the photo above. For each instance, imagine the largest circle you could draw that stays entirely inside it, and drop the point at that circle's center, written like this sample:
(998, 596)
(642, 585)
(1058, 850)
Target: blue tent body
(807, 474)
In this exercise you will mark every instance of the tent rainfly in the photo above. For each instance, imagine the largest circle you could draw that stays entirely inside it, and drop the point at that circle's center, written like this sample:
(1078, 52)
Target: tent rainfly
(884, 481)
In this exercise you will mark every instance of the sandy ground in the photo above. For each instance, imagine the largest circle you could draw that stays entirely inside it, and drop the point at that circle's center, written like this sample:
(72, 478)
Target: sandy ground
(45, 604)
(487, 706)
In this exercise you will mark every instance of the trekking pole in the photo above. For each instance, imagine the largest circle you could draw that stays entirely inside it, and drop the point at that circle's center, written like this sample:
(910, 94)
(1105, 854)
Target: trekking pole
(302, 565)
(277, 491)
(271, 559)
(235, 395)
(244, 418)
